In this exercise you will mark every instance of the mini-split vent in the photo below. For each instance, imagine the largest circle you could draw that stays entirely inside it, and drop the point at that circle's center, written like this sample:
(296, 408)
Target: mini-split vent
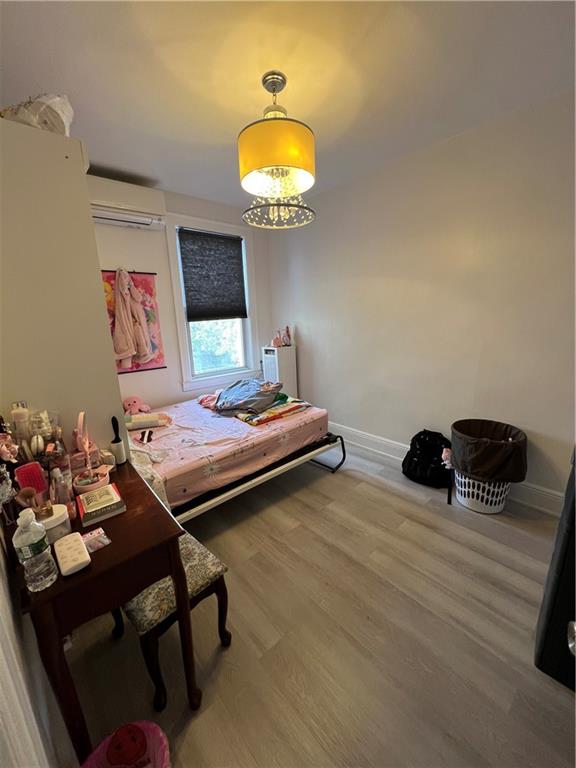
(124, 217)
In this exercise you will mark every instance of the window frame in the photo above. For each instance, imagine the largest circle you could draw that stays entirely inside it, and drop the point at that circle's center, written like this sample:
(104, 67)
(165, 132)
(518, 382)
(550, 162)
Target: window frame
(202, 382)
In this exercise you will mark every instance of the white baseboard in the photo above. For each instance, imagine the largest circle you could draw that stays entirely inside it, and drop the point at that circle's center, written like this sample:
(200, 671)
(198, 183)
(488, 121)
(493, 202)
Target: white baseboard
(374, 443)
(543, 499)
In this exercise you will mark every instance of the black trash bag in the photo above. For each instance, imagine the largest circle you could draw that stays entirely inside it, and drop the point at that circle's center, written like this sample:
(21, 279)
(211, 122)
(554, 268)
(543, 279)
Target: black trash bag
(489, 450)
(423, 462)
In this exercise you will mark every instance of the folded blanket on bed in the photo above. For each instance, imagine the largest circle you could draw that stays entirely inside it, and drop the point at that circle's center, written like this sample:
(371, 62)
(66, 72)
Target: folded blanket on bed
(292, 405)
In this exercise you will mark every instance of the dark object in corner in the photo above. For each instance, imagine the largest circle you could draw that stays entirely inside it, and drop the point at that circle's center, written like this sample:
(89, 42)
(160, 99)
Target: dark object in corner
(423, 462)
(116, 430)
(552, 653)
(118, 174)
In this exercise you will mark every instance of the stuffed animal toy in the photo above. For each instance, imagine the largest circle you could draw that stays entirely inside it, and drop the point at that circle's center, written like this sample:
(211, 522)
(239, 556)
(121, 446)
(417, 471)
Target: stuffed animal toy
(133, 405)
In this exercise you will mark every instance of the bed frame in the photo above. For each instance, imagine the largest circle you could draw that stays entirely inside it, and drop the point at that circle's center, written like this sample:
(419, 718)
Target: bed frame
(206, 501)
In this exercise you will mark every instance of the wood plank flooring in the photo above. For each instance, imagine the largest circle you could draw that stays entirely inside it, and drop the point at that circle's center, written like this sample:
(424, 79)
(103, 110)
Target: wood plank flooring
(372, 626)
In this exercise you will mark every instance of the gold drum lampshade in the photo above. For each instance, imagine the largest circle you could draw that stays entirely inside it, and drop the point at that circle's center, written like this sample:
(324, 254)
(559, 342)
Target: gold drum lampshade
(276, 157)
(276, 154)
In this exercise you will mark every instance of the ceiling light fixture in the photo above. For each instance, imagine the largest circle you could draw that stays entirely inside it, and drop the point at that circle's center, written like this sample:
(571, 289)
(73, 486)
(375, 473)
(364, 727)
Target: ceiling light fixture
(276, 153)
(276, 163)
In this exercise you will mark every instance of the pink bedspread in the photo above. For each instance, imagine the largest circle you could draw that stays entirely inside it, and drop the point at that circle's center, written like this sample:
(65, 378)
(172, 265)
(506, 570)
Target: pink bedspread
(202, 450)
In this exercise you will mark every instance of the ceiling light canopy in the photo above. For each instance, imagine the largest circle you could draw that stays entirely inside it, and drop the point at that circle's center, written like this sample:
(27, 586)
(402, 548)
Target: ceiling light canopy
(276, 153)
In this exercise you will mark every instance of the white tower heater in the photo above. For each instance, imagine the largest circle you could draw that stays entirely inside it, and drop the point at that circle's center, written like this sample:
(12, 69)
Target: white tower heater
(279, 364)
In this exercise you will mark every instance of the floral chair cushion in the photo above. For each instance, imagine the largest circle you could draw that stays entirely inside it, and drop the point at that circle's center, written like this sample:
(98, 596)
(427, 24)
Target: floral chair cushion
(158, 601)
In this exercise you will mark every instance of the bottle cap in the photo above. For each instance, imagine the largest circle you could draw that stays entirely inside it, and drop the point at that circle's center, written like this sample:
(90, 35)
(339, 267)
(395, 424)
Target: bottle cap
(26, 517)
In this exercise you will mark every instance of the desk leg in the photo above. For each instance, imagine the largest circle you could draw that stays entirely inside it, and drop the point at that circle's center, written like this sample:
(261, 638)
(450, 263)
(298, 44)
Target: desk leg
(184, 625)
(56, 666)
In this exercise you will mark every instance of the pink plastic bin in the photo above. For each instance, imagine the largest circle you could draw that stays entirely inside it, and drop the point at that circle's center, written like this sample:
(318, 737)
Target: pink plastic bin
(142, 744)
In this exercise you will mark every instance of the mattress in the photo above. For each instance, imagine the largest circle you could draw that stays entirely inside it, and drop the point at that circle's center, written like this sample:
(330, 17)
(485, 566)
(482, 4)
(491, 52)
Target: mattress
(202, 450)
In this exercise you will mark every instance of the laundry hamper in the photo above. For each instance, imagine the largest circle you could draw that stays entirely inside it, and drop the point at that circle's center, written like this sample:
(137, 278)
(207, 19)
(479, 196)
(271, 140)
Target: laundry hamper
(133, 745)
(487, 457)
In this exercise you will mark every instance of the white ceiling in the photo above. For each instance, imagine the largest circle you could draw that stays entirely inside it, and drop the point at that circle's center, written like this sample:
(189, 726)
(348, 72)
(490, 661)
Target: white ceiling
(162, 89)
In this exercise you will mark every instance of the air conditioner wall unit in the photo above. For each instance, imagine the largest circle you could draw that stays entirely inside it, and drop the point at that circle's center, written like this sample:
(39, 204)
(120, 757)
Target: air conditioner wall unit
(126, 205)
(125, 217)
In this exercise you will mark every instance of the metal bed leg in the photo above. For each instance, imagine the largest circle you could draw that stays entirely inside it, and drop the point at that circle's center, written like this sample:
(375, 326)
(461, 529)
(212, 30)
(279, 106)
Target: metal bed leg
(337, 466)
(449, 498)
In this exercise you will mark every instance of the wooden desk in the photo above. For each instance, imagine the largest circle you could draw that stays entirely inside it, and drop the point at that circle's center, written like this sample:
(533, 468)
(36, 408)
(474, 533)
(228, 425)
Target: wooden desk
(144, 549)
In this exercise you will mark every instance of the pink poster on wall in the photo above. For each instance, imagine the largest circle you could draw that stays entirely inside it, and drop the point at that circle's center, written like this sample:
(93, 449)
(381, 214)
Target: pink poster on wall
(142, 300)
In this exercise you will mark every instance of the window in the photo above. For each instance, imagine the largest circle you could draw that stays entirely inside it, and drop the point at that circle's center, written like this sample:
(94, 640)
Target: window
(217, 345)
(212, 269)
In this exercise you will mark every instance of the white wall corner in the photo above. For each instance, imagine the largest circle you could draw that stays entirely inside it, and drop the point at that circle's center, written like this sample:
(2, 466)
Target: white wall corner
(535, 496)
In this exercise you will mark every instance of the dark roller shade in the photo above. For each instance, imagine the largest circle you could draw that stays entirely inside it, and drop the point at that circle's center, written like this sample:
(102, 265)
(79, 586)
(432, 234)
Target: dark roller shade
(213, 273)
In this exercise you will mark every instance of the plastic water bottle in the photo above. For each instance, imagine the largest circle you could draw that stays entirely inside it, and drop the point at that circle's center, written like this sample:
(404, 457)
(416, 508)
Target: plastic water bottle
(33, 550)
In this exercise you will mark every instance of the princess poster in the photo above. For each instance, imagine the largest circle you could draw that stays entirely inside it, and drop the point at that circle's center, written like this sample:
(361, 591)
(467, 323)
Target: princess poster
(134, 322)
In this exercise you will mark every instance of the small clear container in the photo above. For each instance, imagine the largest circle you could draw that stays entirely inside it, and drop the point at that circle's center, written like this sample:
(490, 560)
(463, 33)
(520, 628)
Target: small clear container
(58, 524)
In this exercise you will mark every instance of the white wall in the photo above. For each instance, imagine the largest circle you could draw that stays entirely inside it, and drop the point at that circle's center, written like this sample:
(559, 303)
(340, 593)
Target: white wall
(147, 251)
(443, 287)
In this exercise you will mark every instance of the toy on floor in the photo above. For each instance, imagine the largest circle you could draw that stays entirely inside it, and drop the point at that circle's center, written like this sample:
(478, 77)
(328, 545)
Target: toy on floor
(133, 745)
(133, 405)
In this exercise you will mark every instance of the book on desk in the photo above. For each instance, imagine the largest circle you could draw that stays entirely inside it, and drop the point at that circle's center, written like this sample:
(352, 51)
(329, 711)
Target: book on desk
(94, 506)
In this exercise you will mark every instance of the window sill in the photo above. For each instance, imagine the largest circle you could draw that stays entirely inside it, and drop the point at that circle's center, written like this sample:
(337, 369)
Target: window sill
(203, 384)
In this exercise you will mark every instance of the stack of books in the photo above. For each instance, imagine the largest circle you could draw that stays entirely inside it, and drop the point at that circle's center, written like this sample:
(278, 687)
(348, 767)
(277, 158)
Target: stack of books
(97, 505)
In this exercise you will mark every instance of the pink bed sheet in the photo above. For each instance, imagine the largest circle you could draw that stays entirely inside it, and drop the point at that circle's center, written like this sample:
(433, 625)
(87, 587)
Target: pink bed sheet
(202, 451)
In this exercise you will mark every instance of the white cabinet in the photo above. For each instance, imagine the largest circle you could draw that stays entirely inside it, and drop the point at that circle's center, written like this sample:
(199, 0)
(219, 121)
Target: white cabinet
(279, 364)
(56, 347)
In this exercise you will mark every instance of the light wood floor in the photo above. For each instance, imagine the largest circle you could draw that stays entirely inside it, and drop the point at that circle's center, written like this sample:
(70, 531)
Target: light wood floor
(372, 626)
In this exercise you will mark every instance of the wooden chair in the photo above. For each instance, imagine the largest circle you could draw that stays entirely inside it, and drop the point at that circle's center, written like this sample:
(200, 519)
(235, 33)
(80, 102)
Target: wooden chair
(153, 610)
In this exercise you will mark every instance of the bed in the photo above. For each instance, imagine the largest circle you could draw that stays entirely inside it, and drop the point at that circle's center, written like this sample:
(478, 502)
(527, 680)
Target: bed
(204, 458)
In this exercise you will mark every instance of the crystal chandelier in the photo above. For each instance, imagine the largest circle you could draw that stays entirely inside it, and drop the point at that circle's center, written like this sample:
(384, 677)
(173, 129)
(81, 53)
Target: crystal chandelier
(278, 213)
